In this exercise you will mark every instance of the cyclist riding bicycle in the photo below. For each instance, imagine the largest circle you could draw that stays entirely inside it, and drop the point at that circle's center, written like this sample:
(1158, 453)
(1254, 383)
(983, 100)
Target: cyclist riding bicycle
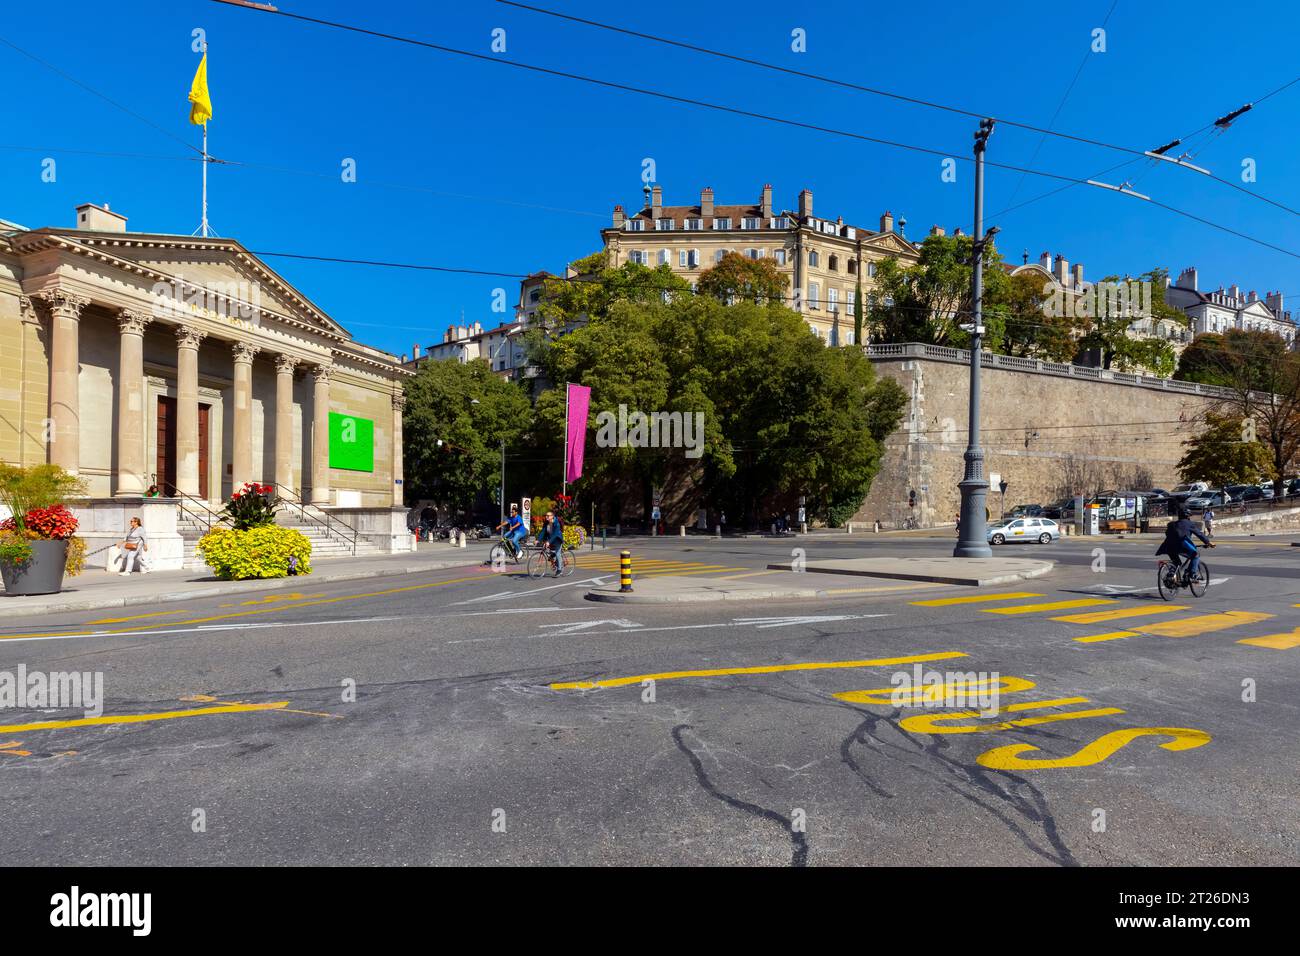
(1178, 543)
(551, 538)
(515, 530)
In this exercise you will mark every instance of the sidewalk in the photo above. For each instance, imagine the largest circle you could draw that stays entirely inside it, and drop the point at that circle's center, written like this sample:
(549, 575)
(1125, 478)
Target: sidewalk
(972, 572)
(94, 588)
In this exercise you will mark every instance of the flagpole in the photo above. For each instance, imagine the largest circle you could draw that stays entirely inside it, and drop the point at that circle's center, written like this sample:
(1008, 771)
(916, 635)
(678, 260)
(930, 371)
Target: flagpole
(204, 225)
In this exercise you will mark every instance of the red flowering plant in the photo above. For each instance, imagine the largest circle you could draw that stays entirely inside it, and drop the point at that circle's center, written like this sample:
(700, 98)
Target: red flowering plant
(252, 506)
(35, 499)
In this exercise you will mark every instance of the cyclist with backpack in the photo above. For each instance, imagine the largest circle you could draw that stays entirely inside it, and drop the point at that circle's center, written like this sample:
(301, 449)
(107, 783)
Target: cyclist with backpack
(1178, 543)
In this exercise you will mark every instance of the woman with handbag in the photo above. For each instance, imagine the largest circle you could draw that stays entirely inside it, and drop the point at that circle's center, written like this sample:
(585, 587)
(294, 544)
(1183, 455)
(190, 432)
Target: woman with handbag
(133, 548)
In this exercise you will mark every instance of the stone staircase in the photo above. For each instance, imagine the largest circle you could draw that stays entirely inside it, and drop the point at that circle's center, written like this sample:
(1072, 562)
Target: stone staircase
(324, 544)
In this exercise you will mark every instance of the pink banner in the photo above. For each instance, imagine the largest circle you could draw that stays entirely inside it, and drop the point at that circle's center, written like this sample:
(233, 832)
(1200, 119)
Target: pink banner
(575, 443)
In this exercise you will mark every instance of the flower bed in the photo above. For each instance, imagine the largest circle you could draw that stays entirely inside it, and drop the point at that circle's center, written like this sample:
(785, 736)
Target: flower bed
(267, 551)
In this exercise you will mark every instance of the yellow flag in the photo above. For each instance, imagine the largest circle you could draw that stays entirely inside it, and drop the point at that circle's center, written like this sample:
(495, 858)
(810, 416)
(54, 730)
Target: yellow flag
(200, 102)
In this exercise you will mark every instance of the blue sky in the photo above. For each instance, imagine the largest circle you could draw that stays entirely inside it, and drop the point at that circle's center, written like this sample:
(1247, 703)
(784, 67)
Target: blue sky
(303, 97)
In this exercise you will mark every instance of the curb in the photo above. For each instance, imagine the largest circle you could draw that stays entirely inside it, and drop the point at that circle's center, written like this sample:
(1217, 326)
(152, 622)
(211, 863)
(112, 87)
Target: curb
(231, 587)
(994, 579)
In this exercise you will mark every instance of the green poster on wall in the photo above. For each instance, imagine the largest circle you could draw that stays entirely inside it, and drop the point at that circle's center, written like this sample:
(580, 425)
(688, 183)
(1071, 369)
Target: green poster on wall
(352, 442)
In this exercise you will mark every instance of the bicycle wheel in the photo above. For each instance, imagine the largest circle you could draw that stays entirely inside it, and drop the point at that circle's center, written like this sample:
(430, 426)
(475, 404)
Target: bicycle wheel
(537, 563)
(570, 561)
(1163, 584)
(497, 555)
(1199, 583)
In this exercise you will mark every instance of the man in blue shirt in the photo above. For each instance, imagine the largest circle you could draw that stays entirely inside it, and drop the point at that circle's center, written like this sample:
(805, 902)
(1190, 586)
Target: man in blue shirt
(515, 530)
(552, 539)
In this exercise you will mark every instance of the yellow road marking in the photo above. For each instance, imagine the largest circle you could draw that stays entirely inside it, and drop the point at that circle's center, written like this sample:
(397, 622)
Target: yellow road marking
(1109, 636)
(137, 617)
(929, 694)
(142, 718)
(1009, 757)
(197, 698)
(926, 723)
(911, 586)
(1048, 606)
(1278, 642)
(265, 610)
(1191, 626)
(1094, 617)
(273, 598)
(769, 669)
(944, 602)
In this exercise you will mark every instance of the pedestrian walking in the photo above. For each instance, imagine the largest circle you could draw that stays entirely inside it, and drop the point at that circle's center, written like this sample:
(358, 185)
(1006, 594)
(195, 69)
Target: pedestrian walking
(1208, 518)
(133, 548)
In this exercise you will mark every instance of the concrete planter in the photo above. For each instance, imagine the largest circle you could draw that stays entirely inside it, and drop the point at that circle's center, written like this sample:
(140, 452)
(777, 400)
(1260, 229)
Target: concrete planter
(41, 574)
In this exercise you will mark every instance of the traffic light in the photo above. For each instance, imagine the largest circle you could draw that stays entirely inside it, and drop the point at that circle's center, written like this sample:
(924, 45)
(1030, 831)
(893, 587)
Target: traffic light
(911, 499)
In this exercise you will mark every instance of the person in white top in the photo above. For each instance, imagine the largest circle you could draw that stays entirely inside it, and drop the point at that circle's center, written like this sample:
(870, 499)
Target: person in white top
(133, 548)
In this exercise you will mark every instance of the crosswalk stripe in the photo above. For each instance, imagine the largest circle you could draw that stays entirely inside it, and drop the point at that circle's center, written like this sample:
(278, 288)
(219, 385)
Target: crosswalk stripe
(1048, 606)
(1191, 626)
(1278, 642)
(1094, 617)
(944, 602)
(1109, 636)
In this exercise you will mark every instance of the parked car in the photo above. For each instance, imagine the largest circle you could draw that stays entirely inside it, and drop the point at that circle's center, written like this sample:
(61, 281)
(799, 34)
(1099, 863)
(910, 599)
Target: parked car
(1245, 492)
(1042, 530)
(1025, 511)
(1191, 488)
(1213, 499)
(1293, 488)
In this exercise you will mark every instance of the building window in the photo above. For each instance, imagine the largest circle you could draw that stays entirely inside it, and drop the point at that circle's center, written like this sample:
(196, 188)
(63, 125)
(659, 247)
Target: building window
(833, 300)
(635, 225)
(871, 269)
(853, 267)
(638, 256)
(749, 222)
(851, 300)
(813, 258)
(814, 293)
(834, 264)
(780, 222)
(751, 253)
(693, 225)
(665, 225)
(724, 223)
(717, 256)
(779, 256)
(534, 295)
(664, 256)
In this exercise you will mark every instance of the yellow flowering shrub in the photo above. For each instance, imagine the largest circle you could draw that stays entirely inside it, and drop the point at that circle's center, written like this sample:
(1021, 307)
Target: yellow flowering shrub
(263, 552)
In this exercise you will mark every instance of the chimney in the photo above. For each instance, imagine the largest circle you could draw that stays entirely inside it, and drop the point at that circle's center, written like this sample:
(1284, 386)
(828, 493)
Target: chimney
(1062, 271)
(706, 204)
(936, 230)
(415, 350)
(619, 217)
(957, 231)
(1187, 278)
(805, 203)
(887, 222)
(1045, 260)
(1078, 275)
(765, 204)
(94, 218)
(1274, 303)
(1252, 297)
(1234, 292)
(656, 202)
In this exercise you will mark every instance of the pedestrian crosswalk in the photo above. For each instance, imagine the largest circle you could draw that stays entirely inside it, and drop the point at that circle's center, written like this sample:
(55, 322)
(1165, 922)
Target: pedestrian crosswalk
(1135, 618)
(650, 567)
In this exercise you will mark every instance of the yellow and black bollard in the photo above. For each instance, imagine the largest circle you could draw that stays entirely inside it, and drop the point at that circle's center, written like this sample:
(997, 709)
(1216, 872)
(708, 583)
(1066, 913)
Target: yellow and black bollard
(625, 570)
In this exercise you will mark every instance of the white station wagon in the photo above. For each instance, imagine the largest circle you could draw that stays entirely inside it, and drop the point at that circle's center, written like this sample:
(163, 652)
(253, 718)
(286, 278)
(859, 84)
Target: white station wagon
(1042, 530)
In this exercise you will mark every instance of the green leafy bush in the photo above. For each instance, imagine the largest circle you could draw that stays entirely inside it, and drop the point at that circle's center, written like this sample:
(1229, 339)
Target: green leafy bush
(267, 551)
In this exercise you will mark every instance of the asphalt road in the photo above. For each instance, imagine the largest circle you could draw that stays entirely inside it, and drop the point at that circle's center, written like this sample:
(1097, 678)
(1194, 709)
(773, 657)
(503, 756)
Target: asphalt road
(231, 734)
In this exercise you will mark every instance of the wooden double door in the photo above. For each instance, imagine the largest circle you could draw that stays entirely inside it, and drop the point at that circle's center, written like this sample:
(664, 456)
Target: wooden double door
(165, 465)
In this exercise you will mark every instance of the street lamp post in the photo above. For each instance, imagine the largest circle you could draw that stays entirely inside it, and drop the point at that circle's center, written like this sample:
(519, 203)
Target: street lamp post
(972, 542)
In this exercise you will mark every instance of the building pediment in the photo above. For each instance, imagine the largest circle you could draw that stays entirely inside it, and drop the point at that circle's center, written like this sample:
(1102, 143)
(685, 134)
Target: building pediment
(213, 277)
(889, 243)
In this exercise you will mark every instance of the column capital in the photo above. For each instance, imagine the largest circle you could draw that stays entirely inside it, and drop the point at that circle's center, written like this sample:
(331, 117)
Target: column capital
(399, 401)
(244, 352)
(285, 364)
(322, 372)
(65, 304)
(132, 321)
(27, 310)
(188, 337)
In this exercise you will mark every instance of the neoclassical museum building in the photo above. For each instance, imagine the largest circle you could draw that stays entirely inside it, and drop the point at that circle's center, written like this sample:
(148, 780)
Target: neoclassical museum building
(137, 360)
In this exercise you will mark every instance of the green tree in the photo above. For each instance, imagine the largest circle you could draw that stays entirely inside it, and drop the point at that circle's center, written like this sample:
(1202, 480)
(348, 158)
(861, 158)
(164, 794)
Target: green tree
(470, 409)
(1031, 328)
(737, 278)
(1219, 456)
(596, 288)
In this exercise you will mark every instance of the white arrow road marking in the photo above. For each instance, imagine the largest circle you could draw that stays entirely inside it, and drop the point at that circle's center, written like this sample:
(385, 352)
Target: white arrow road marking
(507, 595)
(584, 625)
(1126, 589)
(739, 622)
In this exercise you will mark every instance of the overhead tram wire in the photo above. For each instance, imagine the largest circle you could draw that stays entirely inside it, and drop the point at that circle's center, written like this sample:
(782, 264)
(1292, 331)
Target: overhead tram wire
(917, 101)
(722, 108)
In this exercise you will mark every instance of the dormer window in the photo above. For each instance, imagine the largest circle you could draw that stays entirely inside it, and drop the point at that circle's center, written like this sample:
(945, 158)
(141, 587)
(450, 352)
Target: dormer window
(636, 225)
(694, 224)
(722, 223)
(780, 222)
(665, 225)
(749, 222)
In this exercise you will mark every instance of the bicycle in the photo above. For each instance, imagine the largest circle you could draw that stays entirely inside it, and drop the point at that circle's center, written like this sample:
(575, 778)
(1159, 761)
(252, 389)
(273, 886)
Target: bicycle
(1169, 579)
(543, 558)
(505, 549)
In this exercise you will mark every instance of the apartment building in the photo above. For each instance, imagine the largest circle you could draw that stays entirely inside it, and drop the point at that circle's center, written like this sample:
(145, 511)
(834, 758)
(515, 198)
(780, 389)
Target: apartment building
(502, 347)
(1225, 309)
(825, 259)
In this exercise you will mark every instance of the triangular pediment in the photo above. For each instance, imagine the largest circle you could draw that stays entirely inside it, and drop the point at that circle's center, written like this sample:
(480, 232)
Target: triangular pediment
(889, 243)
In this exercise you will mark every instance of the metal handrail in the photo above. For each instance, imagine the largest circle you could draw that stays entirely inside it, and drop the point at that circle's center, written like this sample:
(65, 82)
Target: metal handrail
(207, 518)
(328, 519)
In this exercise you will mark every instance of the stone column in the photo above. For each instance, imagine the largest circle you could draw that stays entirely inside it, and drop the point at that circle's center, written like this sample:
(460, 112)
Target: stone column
(241, 458)
(320, 436)
(399, 405)
(187, 410)
(131, 465)
(284, 366)
(64, 427)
